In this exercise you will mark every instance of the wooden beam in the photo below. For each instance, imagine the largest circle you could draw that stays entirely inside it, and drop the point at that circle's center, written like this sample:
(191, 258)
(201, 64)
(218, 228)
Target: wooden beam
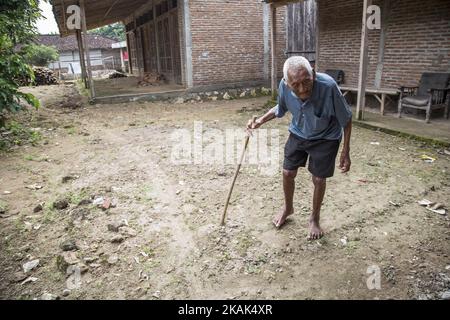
(316, 68)
(109, 10)
(158, 62)
(360, 104)
(86, 48)
(281, 3)
(273, 48)
(82, 60)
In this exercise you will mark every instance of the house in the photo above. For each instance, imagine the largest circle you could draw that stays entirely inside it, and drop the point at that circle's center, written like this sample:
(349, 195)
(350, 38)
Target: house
(198, 44)
(103, 52)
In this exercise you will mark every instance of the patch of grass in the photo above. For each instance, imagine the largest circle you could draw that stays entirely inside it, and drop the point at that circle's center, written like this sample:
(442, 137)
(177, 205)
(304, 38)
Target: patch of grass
(81, 88)
(19, 224)
(15, 134)
(49, 213)
(151, 264)
(144, 194)
(225, 256)
(151, 252)
(245, 241)
(76, 197)
(29, 157)
(3, 206)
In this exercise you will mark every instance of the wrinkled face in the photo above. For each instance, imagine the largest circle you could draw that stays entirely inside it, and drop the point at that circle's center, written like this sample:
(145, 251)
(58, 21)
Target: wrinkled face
(300, 82)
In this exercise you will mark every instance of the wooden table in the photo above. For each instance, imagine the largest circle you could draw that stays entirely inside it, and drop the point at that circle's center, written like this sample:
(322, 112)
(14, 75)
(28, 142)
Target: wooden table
(379, 93)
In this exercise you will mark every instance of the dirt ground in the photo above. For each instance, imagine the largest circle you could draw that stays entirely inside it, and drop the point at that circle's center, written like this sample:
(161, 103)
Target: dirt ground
(174, 248)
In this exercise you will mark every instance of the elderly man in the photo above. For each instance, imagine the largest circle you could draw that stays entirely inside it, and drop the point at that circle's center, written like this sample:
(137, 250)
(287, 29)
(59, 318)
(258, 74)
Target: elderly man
(319, 115)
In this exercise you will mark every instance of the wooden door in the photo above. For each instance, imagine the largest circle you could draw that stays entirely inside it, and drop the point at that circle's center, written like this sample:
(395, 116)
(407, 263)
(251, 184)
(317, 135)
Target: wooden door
(301, 29)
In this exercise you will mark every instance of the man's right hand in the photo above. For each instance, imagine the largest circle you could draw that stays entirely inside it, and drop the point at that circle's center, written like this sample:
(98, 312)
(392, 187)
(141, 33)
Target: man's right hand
(251, 125)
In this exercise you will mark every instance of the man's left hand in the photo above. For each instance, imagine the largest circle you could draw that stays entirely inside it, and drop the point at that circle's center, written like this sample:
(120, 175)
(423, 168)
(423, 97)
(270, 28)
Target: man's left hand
(345, 163)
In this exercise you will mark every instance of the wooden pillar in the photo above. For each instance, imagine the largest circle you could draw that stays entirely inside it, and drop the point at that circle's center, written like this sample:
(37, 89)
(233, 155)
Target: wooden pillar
(82, 61)
(273, 45)
(130, 65)
(86, 51)
(360, 104)
(122, 62)
(158, 62)
(316, 68)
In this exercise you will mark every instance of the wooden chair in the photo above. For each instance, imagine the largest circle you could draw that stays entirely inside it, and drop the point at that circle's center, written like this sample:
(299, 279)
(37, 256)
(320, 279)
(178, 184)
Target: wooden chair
(336, 74)
(430, 94)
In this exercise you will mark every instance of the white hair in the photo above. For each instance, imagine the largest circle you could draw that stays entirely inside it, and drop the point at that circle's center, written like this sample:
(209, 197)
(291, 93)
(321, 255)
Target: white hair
(296, 63)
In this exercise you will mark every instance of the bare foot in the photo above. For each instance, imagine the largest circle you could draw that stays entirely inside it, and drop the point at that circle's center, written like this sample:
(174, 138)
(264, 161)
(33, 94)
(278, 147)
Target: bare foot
(279, 220)
(315, 231)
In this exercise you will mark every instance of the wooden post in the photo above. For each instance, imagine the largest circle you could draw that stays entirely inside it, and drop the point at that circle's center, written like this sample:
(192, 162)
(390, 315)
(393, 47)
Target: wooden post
(86, 50)
(383, 100)
(122, 63)
(82, 61)
(158, 62)
(316, 68)
(273, 45)
(362, 64)
(59, 69)
(129, 66)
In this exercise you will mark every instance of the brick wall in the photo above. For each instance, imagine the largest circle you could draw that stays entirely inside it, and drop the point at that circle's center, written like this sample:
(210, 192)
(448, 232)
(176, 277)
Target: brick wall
(228, 42)
(417, 40)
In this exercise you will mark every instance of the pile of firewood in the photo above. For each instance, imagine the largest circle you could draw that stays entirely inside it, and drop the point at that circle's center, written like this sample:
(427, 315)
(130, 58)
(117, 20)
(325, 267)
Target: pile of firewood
(44, 76)
(151, 79)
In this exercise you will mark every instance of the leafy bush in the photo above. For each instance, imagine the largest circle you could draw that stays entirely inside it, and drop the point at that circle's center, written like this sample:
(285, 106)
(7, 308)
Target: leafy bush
(17, 27)
(39, 55)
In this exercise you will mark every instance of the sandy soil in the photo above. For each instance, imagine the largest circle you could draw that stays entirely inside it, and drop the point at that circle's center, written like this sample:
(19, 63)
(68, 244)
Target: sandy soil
(174, 248)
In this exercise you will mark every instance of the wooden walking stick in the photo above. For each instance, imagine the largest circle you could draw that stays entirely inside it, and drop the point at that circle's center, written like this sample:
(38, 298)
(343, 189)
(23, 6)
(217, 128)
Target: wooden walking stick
(247, 138)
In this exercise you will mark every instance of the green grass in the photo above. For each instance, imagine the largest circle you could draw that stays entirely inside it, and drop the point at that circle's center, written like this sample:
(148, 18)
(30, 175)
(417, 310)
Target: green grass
(49, 213)
(3, 205)
(81, 88)
(71, 131)
(143, 194)
(29, 157)
(149, 251)
(16, 135)
(76, 197)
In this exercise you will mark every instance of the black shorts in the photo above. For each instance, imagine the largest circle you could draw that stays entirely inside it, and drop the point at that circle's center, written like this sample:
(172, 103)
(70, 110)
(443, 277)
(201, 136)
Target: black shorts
(322, 155)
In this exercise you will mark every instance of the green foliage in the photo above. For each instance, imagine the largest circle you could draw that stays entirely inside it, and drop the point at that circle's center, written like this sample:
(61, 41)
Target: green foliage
(114, 31)
(17, 27)
(39, 55)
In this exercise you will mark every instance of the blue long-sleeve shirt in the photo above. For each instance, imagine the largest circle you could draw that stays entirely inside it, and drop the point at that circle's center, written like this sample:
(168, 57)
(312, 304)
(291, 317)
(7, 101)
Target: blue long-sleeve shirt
(322, 116)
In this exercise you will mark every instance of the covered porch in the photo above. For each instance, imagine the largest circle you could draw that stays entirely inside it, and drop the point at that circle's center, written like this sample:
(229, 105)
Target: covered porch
(153, 40)
(410, 40)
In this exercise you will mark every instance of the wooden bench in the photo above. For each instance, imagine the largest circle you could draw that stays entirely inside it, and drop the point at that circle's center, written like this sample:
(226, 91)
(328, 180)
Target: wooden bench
(380, 94)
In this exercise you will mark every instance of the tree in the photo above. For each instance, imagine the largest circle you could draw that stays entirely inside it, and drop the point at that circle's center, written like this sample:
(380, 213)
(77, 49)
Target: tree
(114, 31)
(17, 26)
(39, 55)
